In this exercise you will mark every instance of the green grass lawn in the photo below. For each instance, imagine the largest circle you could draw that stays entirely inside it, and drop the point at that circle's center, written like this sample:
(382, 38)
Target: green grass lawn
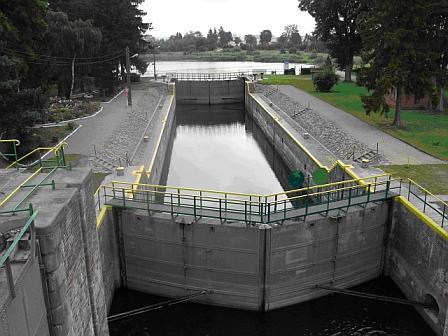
(432, 177)
(424, 130)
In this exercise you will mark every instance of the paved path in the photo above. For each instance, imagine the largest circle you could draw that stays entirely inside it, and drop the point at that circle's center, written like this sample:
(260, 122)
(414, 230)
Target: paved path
(117, 129)
(395, 151)
(98, 129)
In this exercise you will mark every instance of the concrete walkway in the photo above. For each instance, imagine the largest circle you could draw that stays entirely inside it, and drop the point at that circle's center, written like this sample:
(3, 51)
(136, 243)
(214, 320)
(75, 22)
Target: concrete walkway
(98, 130)
(395, 151)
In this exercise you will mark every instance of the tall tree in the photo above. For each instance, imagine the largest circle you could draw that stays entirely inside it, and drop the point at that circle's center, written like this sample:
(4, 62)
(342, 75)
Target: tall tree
(337, 25)
(438, 31)
(251, 42)
(224, 38)
(398, 53)
(212, 39)
(265, 37)
(70, 40)
(22, 25)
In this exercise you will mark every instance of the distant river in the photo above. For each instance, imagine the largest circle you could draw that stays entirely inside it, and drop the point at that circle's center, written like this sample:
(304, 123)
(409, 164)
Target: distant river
(162, 67)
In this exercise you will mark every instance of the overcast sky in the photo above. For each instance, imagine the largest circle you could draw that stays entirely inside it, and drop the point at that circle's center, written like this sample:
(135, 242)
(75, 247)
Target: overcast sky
(239, 16)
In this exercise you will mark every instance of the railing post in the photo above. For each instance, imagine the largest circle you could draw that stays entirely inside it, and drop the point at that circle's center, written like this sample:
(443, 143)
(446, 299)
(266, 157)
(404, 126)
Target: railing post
(123, 192)
(424, 204)
(409, 190)
(443, 215)
(368, 193)
(178, 197)
(269, 212)
(194, 206)
(220, 211)
(275, 206)
(245, 211)
(349, 198)
(171, 196)
(284, 210)
(10, 278)
(387, 189)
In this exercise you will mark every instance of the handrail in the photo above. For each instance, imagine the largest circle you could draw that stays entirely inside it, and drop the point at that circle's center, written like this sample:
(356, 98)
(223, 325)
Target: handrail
(7, 253)
(48, 150)
(428, 192)
(443, 213)
(248, 207)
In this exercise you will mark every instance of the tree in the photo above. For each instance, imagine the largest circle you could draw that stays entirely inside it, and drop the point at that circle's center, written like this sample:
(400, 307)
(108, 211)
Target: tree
(438, 23)
(326, 79)
(70, 39)
(398, 53)
(22, 25)
(337, 25)
(212, 39)
(224, 38)
(265, 37)
(251, 42)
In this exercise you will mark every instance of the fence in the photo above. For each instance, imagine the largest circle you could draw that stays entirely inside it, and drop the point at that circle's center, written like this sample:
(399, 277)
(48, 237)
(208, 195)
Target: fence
(424, 199)
(253, 208)
(207, 76)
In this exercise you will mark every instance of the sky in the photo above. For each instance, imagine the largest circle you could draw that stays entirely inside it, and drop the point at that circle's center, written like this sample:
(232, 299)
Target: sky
(241, 17)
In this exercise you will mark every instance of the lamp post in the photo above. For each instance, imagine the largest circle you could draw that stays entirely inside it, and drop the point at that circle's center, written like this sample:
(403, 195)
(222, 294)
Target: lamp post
(154, 58)
(128, 72)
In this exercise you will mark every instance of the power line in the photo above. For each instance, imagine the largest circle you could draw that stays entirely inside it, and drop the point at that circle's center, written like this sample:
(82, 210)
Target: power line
(119, 53)
(58, 63)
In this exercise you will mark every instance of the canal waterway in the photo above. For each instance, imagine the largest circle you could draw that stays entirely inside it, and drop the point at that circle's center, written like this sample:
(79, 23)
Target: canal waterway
(221, 148)
(335, 315)
(163, 67)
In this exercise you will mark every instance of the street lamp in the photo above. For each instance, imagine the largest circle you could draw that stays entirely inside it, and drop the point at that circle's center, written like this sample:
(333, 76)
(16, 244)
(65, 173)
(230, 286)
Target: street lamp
(154, 58)
(128, 71)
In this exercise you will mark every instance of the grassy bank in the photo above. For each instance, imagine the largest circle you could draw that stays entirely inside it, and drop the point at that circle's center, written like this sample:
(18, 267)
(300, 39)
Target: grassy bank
(424, 130)
(432, 177)
(231, 55)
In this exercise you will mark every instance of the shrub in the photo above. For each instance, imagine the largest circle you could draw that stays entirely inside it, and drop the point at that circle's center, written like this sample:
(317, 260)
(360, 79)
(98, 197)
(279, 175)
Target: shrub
(292, 50)
(325, 80)
(313, 55)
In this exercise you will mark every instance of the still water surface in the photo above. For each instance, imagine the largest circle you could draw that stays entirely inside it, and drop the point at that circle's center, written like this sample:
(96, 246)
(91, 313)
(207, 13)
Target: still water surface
(163, 67)
(221, 148)
(335, 315)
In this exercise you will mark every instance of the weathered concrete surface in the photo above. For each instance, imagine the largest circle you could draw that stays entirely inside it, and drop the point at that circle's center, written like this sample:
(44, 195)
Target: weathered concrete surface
(255, 268)
(417, 260)
(26, 313)
(66, 230)
(210, 92)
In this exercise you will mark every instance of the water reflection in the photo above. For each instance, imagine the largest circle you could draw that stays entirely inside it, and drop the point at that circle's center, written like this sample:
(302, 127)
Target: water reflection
(222, 148)
(335, 315)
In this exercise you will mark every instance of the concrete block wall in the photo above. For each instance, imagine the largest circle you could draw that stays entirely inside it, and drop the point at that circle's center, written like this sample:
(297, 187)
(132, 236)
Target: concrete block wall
(109, 257)
(245, 267)
(293, 155)
(334, 251)
(177, 258)
(66, 230)
(417, 260)
(26, 313)
(210, 92)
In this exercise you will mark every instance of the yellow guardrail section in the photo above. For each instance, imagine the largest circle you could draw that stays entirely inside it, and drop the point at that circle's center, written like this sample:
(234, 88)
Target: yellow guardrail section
(48, 150)
(372, 181)
(339, 163)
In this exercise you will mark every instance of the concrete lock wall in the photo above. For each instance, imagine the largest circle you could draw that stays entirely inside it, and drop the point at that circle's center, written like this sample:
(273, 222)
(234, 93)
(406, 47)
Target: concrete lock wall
(210, 92)
(26, 313)
(248, 267)
(66, 230)
(293, 155)
(417, 260)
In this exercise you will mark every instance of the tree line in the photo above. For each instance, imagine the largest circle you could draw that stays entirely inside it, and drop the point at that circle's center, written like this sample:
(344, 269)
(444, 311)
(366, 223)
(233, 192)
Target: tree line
(75, 44)
(403, 45)
(194, 41)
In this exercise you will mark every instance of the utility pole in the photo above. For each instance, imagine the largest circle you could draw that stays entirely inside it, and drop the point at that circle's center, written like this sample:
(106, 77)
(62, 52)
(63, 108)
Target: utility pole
(154, 59)
(128, 72)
